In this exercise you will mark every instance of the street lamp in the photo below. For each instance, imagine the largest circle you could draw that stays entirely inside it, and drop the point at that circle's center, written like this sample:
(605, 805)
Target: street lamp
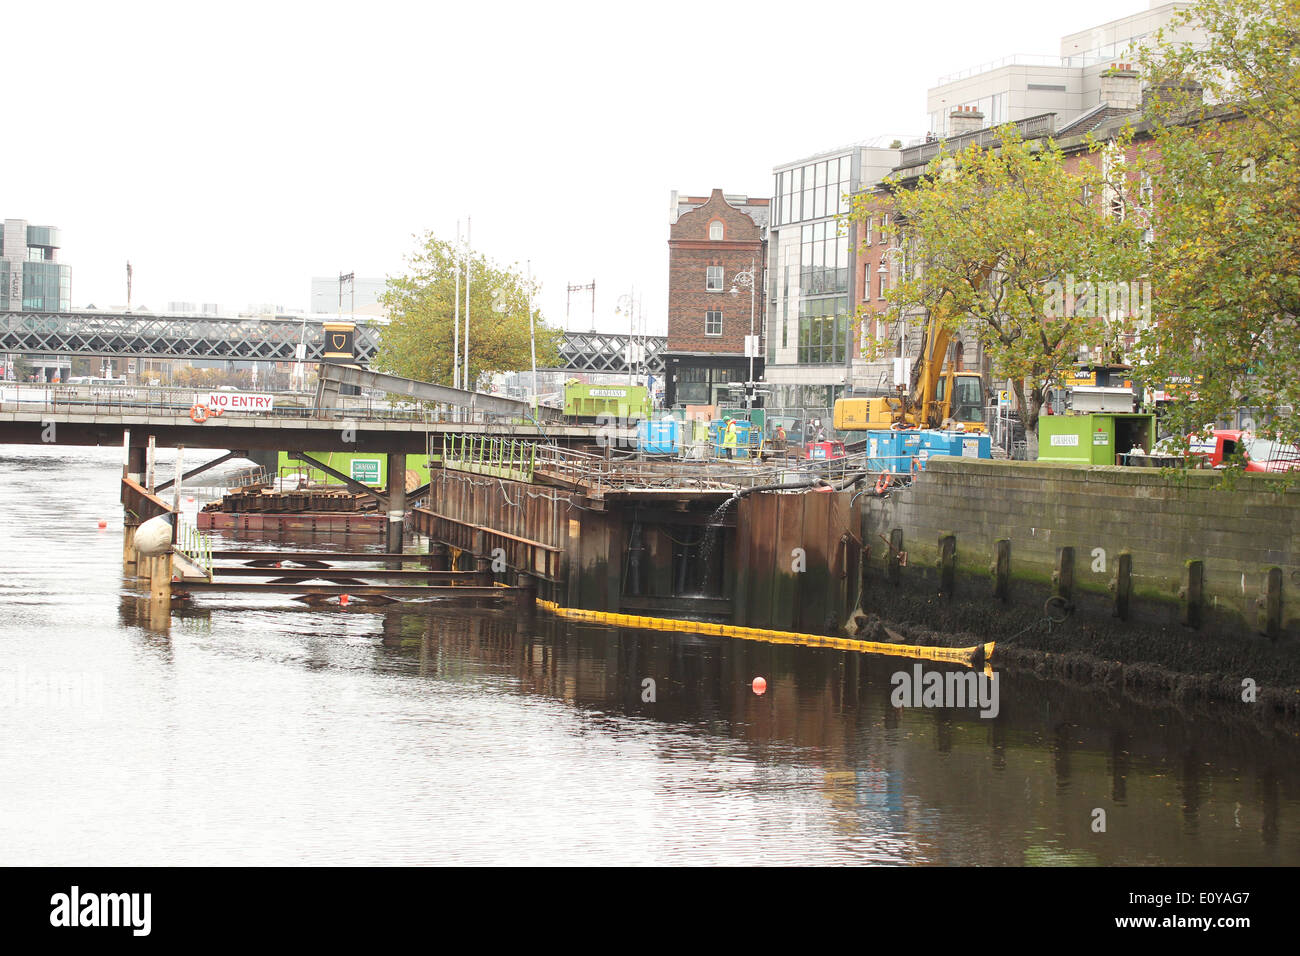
(627, 306)
(746, 280)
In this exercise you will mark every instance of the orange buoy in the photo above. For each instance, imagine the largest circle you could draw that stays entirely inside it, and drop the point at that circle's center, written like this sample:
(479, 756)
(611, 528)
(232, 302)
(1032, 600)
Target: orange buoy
(343, 600)
(760, 686)
(199, 414)
(102, 524)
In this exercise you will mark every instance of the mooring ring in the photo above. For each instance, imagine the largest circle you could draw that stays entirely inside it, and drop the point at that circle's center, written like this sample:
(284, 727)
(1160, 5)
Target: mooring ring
(1056, 601)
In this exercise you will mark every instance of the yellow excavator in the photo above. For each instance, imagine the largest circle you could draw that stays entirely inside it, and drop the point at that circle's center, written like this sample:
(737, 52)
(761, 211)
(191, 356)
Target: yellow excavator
(939, 397)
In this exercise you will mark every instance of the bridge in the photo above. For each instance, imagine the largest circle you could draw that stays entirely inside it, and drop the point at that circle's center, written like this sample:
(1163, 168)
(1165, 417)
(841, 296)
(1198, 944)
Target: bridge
(144, 335)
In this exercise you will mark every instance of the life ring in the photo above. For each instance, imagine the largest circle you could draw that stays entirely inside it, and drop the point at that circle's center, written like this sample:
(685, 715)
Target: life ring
(199, 414)
(882, 482)
(215, 411)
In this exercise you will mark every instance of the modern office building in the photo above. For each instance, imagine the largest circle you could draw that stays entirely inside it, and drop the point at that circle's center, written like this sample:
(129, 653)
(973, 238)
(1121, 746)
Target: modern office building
(31, 277)
(33, 280)
(1068, 84)
(716, 257)
(812, 345)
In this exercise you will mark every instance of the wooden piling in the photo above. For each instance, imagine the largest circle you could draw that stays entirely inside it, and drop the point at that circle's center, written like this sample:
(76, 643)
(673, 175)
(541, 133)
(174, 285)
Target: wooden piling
(1193, 593)
(1063, 576)
(1002, 569)
(1123, 584)
(1271, 599)
(894, 557)
(947, 564)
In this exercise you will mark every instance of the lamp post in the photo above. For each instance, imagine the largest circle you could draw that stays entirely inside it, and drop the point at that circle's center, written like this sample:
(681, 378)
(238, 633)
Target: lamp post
(747, 280)
(627, 306)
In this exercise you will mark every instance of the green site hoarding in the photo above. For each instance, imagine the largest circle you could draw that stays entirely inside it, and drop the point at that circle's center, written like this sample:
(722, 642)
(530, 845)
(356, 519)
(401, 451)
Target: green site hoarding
(369, 469)
(1094, 439)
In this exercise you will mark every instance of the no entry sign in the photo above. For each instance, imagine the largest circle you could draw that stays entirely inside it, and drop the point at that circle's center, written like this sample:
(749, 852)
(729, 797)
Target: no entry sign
(238, 401)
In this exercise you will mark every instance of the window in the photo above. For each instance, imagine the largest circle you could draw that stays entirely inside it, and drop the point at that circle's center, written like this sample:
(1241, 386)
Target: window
(715, 230)
(713, 279)
(713, 322)
(884, 228)
(882, 284)
(871, 228)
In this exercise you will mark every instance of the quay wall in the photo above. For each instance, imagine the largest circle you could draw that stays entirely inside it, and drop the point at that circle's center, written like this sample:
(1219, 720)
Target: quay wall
(1132, 530)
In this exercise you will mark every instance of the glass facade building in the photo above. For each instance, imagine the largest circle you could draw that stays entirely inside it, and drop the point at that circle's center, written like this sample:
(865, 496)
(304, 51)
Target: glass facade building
(809, 287)
(31, 277)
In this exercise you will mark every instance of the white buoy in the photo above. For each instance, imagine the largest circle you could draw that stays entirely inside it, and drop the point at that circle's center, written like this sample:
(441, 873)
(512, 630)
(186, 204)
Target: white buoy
(154, 536)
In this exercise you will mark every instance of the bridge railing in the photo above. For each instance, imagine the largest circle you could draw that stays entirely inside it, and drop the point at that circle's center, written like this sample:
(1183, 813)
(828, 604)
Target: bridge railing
(119, 400)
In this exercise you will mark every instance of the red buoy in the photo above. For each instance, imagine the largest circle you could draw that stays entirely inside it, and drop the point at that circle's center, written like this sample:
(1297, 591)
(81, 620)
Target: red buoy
(102, 524)
(343, 600)
(760, 686)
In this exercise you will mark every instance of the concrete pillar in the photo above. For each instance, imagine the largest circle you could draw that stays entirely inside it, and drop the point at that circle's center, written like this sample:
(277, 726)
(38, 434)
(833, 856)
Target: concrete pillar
(396, 501)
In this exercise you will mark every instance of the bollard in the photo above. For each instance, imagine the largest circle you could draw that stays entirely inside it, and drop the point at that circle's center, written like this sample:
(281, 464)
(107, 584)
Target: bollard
(1002, 569)
(1123, 584)
(947, 564)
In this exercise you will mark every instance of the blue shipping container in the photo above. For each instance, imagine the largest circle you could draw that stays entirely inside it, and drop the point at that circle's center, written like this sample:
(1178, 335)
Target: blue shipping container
(953, 444)
(659, 437)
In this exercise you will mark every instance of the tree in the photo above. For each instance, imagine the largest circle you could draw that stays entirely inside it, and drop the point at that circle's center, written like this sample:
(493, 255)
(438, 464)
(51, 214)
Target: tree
(419, 341)
(1226, 249)
(1010, 243)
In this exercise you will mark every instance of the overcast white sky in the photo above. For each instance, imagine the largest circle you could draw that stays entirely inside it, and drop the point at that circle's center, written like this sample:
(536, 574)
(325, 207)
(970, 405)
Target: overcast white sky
(232, 151)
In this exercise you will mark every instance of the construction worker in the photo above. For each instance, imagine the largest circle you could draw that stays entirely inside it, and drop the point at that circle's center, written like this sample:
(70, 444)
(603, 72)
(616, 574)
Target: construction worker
(729, 438)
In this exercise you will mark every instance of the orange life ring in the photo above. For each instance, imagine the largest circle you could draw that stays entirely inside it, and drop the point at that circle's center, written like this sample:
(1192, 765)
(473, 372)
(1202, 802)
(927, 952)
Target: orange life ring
(882, 482)
(199, 414)
(215, 411)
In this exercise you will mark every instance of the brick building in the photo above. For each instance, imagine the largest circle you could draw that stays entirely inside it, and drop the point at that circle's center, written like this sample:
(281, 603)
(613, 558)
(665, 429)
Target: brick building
(717, 246)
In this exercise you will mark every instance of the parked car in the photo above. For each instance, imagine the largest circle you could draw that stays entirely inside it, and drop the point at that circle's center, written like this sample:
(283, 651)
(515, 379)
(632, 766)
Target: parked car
(1220, 445)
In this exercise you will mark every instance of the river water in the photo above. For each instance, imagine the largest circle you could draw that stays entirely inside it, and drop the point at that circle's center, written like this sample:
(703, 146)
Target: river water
(261, 731)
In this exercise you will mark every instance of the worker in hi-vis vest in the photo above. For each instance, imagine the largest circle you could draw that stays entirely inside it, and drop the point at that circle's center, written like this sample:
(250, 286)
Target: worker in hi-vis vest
(729, 438)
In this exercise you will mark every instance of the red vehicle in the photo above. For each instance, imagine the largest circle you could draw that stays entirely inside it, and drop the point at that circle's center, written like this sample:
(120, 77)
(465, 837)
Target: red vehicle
(1261, 454)
(823, 450)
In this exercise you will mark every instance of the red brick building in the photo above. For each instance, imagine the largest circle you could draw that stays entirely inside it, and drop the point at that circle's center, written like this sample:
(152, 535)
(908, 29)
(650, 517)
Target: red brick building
(717, 247)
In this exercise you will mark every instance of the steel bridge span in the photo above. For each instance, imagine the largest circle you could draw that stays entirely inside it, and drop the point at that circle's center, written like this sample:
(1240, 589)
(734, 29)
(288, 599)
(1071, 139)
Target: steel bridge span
(145, 335)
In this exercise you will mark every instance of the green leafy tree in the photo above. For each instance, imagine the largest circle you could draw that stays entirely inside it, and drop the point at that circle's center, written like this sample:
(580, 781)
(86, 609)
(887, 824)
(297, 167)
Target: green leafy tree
(1013, 245)
(419, 341)
(1226, 178)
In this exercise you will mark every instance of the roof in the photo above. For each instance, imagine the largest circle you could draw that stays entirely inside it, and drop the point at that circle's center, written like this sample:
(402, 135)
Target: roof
(1093, 119)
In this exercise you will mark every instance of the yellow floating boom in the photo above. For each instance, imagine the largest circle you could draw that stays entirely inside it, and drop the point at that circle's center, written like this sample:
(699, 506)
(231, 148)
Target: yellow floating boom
(970, 656)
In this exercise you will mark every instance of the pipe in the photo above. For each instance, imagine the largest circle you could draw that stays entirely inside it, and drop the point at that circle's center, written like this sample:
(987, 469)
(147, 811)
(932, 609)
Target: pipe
(808, 483)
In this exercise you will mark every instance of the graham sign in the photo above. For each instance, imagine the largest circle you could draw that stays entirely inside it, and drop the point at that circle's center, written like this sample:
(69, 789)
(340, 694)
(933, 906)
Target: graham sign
(238, 401)
(365, 470)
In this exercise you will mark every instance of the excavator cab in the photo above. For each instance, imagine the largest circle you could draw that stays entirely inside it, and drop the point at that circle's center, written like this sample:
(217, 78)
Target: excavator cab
(960, 396)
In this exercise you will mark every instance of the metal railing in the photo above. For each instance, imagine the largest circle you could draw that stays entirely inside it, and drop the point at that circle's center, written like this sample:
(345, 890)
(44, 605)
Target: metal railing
(196, 546)
(490, 455)
(178, 403)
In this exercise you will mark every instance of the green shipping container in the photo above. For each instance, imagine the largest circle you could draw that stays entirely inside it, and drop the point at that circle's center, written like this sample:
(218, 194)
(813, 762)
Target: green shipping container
(1095, 439)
